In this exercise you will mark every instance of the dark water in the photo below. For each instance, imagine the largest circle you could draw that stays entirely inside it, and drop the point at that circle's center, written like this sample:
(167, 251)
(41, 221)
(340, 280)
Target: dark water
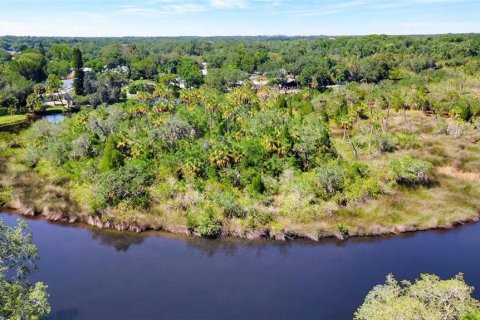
(95, 274)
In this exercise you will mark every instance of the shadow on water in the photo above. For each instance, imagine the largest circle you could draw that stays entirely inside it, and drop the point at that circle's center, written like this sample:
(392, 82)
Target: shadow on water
(121, 241)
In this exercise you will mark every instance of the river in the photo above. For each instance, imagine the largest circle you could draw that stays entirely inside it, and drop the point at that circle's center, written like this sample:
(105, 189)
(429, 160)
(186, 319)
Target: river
(97, 274)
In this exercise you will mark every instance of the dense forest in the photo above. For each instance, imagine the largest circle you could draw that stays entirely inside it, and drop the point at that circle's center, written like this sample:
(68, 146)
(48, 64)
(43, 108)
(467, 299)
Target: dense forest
(247, 136)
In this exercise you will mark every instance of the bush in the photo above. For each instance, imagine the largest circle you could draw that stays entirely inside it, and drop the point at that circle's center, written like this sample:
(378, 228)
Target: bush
(411, 171)
(386, 144)
(206, 224)
(256, 186)
(111, 158)
(231, 207)
(126, 184)
(407, 141)
(330, 178)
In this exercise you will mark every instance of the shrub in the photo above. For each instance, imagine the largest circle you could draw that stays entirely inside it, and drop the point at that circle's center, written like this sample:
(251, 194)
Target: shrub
(256, 185)
(206, 224)
(111, 158)
(411, 171)
(81, 147)
(330, 178)
(386, 144)
(407, 141)
(343, 229)
(173, 130)
(231, 207)
(128, 183)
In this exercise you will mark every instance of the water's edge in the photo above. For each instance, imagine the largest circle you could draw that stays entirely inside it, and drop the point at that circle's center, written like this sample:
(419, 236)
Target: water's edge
(264, 233)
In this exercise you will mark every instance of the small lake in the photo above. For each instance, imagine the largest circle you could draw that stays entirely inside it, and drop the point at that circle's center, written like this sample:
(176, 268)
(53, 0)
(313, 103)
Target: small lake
(55, 118)
(95, 274)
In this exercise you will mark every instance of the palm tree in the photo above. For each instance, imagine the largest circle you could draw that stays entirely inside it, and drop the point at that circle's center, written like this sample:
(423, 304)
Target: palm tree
(210, 101)
(139, 111)
(34, 103)
(146, 98)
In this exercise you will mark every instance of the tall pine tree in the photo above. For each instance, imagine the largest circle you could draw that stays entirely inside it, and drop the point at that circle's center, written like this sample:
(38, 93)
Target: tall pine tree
(78, 69)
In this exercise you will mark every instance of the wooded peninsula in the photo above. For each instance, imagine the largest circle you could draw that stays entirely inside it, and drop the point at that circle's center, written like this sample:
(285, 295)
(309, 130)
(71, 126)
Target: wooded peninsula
(254, 137)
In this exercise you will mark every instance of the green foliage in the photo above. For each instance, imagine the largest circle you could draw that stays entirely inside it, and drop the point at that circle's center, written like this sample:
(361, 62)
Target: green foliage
(112, 158)
(190, 72)
(18, 256)
(407, 141)
(472, 316)
(273, 154)
(78, 84)
(126, 184)
(34, 103)
(53, 83)
(30, 65)
(223, 79)
(330, 178)
(411, 171)
(204, 223)
(427, 298)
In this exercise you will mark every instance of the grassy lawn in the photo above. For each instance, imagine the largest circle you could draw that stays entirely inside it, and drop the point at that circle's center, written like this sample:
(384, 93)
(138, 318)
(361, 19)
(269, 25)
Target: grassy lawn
(13, 119)
(55, 109)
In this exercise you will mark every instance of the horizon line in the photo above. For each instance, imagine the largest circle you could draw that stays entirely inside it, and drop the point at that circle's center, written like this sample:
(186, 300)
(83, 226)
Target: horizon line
(247, 36)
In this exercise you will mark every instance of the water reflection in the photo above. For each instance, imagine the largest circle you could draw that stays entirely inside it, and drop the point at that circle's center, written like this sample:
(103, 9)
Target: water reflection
(121, 241)
(55, 118)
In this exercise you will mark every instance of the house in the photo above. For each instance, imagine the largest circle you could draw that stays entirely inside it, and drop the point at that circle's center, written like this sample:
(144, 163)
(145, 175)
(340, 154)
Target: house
(181, 83)
(258, 80)
(204, 68)
(11, 51)
(118, 69)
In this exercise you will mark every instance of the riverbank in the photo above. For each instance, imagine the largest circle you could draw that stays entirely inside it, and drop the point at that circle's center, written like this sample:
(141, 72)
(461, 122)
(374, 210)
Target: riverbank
(96, 222)
(451, 198)
(452, 202)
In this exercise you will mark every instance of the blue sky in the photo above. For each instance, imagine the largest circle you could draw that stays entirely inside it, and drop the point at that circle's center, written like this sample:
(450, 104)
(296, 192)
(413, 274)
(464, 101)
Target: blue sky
(236, 17)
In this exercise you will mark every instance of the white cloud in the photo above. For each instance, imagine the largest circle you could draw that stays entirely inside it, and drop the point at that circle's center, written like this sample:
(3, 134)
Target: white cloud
(229, 4)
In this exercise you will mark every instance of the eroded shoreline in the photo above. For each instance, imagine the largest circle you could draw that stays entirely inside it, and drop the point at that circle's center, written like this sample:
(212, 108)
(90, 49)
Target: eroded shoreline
(263, 233)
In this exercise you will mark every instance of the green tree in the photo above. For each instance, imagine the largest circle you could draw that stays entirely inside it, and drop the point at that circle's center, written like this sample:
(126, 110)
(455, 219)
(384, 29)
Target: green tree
(190, 72)
(34, 103)
(112, 158)
(427, 298)
(53, 84)
(79, 74)
(18, 259)
(31, 65)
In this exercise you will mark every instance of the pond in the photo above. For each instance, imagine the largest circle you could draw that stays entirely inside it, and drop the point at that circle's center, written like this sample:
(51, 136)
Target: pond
(109, 275)
(55, 118)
